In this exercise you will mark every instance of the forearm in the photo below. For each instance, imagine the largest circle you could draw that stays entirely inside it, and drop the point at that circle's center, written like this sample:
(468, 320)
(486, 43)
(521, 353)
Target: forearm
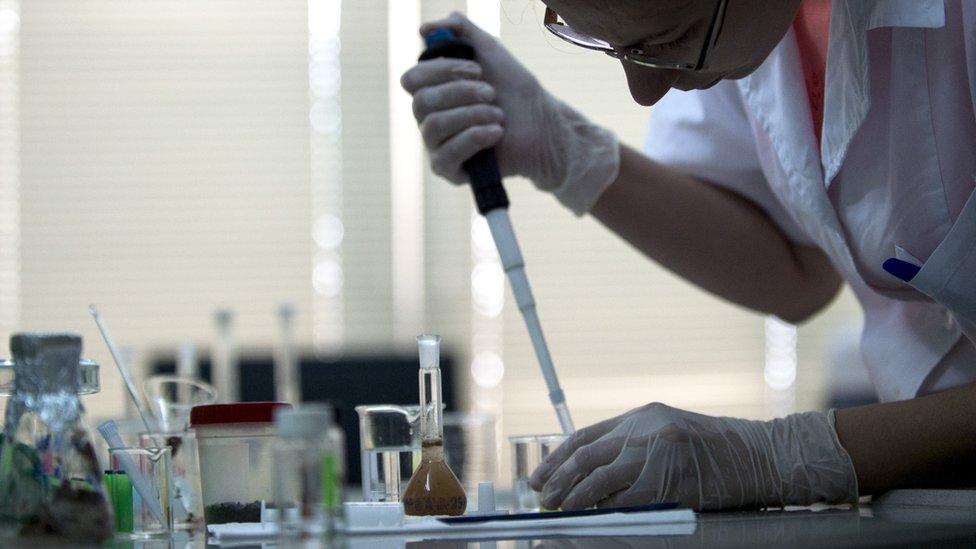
(925, 442)
(715, 239)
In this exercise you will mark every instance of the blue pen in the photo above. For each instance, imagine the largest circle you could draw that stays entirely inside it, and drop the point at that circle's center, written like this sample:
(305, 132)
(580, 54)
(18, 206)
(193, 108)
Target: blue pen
(902, 269)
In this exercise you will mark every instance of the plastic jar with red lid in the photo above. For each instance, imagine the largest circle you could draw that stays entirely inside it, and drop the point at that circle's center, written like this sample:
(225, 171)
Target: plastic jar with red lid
(235, 443)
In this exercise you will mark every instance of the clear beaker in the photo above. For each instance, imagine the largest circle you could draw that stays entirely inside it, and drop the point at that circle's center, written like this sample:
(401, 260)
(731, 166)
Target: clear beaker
(469, 447)
(171, 398)
(528, 451)
(389, 446)
(50, 479)
(142, 504)
(185, 466)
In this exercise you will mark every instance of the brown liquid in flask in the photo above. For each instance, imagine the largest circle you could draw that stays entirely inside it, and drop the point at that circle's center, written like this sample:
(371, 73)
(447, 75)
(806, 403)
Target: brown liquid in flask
(433, 489)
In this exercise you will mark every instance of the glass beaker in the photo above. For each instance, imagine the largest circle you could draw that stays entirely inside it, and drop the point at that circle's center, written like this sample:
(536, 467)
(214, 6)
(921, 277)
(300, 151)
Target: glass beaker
(469, 446)
(389, 446)
(142, 505)
(528, 451)
(50, 480)
(171, 398)
(185, 467)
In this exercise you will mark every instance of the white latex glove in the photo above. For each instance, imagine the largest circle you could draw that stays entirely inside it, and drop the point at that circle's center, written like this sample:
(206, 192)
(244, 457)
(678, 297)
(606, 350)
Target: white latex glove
(463, 107)
(656, 453)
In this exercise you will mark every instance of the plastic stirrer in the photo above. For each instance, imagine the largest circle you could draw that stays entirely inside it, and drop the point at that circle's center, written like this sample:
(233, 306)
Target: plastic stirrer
(110, 432)
(124, 370)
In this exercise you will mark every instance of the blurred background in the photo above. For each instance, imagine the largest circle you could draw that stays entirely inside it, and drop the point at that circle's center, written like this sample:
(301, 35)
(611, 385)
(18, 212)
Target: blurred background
(166, 159)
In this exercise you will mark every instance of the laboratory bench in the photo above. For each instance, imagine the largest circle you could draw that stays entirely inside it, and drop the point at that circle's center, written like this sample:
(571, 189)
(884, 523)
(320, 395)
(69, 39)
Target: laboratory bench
(928, 518)
(907, 518)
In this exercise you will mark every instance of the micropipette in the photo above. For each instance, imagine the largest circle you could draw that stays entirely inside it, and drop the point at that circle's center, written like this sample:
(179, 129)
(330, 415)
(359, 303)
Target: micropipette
(492, 202)
(123, 369)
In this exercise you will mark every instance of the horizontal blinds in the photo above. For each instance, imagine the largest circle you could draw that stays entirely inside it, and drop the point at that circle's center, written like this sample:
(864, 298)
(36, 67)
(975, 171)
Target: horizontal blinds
(165, 155)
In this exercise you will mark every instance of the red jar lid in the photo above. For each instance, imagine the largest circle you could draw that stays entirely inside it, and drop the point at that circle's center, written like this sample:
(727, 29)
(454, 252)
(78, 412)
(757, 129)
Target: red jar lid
(237, 412)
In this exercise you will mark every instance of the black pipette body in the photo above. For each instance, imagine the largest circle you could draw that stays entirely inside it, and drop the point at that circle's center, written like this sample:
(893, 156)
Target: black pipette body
(492, 202)
(482, 168)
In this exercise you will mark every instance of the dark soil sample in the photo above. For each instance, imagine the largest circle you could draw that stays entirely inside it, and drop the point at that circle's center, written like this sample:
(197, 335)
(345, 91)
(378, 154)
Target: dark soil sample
(220, 513)
(174, 443)
(76, 514)
(79, 513)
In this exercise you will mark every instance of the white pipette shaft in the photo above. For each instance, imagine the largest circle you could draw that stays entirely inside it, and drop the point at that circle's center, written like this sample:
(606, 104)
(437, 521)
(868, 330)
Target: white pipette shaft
(123, 369)
(508, 250)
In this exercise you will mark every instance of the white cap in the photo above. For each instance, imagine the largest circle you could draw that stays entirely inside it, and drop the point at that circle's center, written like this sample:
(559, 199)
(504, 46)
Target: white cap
(430, 351)
(307, 420)
(486, 497)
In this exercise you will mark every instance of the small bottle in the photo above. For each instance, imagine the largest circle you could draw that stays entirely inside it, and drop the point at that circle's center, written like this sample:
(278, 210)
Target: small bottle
(433, 489)
(308, 473)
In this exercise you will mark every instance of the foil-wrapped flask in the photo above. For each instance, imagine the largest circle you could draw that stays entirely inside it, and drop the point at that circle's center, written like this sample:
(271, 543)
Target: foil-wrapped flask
(50, 482)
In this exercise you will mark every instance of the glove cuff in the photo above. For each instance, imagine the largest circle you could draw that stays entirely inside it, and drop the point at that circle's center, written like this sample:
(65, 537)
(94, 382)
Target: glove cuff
(586, 181)
(817, 468)
(589, 154)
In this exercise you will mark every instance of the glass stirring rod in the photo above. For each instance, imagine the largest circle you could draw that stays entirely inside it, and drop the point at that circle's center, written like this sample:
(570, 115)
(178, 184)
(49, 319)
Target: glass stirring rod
(492, 201)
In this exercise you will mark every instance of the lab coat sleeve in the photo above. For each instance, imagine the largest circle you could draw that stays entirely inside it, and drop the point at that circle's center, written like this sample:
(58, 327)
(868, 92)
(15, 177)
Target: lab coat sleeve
(706, 134)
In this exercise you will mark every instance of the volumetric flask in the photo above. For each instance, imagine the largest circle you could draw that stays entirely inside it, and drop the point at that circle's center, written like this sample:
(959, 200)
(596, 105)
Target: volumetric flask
(389, 448)
(528, 451)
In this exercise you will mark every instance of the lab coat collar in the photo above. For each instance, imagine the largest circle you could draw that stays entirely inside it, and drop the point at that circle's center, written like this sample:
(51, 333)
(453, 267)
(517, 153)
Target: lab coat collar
(897, 13)
(776, 96)
(847, 94)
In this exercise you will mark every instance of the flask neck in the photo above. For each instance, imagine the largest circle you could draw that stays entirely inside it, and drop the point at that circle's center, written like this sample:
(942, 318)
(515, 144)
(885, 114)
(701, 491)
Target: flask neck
(431, 409)
(432, 450)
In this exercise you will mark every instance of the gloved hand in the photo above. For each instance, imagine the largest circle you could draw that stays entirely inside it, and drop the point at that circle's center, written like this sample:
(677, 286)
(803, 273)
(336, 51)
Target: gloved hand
(656, 453)
(463, 107)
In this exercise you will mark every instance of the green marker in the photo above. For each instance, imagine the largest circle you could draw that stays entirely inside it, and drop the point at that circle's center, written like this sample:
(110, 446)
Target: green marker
(331, 497)
(119, 487)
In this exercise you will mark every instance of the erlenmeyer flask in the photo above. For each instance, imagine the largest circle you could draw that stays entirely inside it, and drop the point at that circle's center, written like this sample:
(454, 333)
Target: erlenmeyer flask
(50, 482)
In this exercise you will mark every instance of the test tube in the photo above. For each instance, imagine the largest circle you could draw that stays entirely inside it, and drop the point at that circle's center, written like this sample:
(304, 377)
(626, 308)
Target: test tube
(223, 369)
(286, 374)
(186, 368)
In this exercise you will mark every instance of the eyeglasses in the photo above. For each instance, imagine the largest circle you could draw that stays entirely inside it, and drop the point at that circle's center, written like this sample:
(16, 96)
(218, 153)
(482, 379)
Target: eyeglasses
(634, 54)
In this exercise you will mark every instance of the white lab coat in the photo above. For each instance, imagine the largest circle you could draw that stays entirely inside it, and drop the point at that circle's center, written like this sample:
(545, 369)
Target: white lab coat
(890, 156)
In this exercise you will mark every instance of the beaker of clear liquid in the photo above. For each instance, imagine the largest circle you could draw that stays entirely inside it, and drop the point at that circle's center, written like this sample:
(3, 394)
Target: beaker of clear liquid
(171, 398)
(528, 452)
(469, 447)
(186, 487)
(389, 446)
